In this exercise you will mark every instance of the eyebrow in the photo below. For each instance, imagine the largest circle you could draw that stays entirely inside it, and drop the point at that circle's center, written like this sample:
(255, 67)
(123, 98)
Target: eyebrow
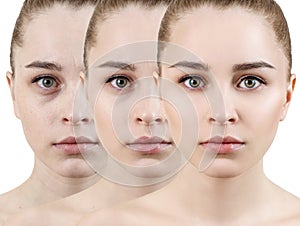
(191, 65)
(252, 65)
(118, 65)
(45, 65)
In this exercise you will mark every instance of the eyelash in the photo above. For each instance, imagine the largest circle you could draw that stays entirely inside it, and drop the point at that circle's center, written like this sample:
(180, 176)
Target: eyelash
(251, 77)
(56, 83)
(202, 81)
(116, 77)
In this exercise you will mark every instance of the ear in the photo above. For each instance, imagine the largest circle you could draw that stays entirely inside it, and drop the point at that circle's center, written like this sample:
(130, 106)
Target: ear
(155, 77)
(11, 83)
(289, 94)
(82, 77)
(83, 80)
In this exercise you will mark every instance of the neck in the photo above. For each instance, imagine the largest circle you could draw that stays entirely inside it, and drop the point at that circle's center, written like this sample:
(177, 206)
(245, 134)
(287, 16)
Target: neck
(49, 185)
(226, 198)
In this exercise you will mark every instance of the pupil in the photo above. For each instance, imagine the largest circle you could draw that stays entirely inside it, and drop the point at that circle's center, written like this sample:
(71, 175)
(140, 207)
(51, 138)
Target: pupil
(249, 83)
(47, 82)
(194, 82)
(121, 82)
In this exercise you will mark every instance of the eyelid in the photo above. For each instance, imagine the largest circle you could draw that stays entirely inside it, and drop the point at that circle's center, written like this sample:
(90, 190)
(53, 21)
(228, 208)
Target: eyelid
(194, 76)
(36, 79)
(46, 90)
(120, 76)
(258, 78)
(254, 77)
(188, 76)
(115, 76)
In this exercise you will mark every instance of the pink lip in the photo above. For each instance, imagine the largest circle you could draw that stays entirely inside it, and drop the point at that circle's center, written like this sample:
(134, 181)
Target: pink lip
(149, 145)
(75, 145)
(223, 145)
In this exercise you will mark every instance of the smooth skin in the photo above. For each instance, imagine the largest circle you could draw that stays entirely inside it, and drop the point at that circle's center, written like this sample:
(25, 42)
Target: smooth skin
(234, 189)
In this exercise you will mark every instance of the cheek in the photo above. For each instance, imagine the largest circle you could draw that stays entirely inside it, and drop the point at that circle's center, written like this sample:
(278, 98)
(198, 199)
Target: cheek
(266, 109)
(262, 117)
(103, 116)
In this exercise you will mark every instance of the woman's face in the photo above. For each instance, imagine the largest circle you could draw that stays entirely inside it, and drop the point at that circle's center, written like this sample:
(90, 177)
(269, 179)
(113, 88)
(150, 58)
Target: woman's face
(44, 87)
(239, 58)
(122, 91)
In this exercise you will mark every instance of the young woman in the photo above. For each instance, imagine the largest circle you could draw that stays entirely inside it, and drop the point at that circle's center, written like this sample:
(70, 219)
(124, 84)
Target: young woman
(46, 60)
(243, 53)
(107, 81)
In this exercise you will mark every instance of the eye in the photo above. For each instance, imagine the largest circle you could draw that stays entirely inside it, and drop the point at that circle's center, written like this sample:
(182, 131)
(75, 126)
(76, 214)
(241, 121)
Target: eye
(46, 82)
(193, 81)
(251, 82)
(119, 81)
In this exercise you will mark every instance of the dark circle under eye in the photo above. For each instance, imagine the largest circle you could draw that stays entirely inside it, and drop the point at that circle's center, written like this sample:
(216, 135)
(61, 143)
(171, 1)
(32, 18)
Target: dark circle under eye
(48, 82)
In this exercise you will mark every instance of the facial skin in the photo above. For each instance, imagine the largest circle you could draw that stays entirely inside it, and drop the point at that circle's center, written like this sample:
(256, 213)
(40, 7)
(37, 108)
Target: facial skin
(244, 62)
(141, 138)
(44, 86)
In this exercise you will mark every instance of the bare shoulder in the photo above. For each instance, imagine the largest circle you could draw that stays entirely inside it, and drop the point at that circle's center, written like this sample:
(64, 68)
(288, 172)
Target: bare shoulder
(44, 215)
(138, 212)
(9, 204)
(121, 215)
(288, 210)
(22, 218)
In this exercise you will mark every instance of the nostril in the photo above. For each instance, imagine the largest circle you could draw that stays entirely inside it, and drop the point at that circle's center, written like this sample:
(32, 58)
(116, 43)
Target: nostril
(85, 120)
(212, 120)
(139, 120)
(231, 120)
(158, 120)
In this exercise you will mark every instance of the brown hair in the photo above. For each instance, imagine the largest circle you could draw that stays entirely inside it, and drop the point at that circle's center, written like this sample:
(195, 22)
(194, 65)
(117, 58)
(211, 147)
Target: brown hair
(269, 9)
(31, 8)
(105, 9)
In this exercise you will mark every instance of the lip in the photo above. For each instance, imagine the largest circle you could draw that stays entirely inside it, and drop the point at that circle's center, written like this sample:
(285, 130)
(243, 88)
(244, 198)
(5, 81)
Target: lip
(149, 145)
(223, 145)
(75, 145)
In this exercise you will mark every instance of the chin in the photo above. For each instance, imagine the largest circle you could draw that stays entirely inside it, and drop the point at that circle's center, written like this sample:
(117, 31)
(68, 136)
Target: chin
(223, 169)
(76, 168)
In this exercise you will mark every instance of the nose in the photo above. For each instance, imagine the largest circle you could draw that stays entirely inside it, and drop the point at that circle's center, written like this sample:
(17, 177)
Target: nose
(225, 113)
(75, 119)
(148, 112)
(76, 110)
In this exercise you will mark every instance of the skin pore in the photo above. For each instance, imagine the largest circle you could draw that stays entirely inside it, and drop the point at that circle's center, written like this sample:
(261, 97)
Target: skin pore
(104, 193)
(43, 88)
(256, 89)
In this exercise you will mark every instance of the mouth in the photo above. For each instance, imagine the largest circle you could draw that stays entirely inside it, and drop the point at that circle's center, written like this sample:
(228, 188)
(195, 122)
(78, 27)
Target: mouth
(75, 145)
(223, 145)
(149, 145)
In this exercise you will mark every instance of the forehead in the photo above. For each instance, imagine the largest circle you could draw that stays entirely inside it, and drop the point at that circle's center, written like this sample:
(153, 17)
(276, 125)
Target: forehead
(126, 27)
(55, 34)
(218, 34)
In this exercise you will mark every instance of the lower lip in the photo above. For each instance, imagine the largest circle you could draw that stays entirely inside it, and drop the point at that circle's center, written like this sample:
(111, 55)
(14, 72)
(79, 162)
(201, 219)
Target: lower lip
(148, 148)
(223, 148)
(75, 149)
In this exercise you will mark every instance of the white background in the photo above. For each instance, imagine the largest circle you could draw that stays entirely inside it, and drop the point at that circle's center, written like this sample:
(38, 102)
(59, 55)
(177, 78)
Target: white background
(282, 162)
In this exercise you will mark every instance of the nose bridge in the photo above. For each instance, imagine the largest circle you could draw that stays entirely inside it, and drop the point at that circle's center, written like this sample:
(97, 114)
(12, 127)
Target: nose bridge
(226, 112)
(74, 104)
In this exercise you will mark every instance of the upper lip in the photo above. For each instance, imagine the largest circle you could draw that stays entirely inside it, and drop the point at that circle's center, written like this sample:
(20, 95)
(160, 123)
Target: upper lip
(223, 140)
(149, 140)
(76, 140)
